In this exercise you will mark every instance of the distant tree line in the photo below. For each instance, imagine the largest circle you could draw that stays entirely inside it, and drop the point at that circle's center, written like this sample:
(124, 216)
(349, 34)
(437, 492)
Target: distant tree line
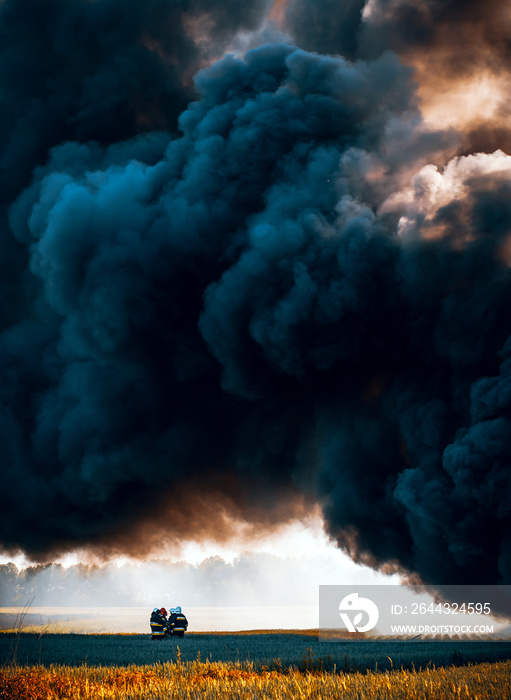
(54, 584)
(252, 579)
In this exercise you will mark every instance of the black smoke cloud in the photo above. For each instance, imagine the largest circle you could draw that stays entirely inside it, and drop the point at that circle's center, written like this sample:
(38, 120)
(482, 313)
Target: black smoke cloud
(150, 269)
(104, 70)
(330, 26)
(257, 313)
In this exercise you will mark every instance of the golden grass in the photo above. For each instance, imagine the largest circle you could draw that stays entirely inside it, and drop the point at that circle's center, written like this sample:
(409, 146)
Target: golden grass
(196, 680)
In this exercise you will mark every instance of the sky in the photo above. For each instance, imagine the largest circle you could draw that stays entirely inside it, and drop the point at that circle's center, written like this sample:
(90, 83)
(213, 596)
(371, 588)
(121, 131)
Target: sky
(255, 282)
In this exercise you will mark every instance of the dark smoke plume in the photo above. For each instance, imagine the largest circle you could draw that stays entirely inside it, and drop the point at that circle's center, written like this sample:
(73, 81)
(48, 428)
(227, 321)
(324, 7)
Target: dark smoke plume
(258, 313)
(103, 70)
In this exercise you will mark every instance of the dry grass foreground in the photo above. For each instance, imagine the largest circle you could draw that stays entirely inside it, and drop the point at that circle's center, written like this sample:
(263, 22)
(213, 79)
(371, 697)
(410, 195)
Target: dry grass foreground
(198, 680)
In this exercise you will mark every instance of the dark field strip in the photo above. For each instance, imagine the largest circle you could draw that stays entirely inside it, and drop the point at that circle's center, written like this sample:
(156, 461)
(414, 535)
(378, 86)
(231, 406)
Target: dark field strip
(276, 650)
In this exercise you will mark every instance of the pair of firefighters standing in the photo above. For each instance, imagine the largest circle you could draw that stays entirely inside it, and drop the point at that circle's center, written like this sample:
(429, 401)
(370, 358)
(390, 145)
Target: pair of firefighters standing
(177, 624)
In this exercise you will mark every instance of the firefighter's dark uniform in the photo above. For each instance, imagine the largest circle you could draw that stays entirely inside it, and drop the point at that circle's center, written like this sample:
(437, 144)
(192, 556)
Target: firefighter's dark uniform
(158, 626)
(178, 624)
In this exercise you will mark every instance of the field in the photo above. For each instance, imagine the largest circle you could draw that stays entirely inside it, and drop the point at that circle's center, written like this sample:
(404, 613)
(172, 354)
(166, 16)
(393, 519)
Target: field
(248, 665)
(278, 649)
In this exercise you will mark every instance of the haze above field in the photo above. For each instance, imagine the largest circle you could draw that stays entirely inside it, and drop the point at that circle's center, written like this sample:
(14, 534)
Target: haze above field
(283, 570)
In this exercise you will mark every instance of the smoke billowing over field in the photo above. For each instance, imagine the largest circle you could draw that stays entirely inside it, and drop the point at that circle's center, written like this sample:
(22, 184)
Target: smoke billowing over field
(253, 262)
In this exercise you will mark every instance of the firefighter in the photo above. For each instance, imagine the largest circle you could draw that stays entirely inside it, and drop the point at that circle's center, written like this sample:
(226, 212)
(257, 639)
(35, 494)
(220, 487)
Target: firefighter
(178, 622)
(158, 624)
(164, 614)
(170, 624)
